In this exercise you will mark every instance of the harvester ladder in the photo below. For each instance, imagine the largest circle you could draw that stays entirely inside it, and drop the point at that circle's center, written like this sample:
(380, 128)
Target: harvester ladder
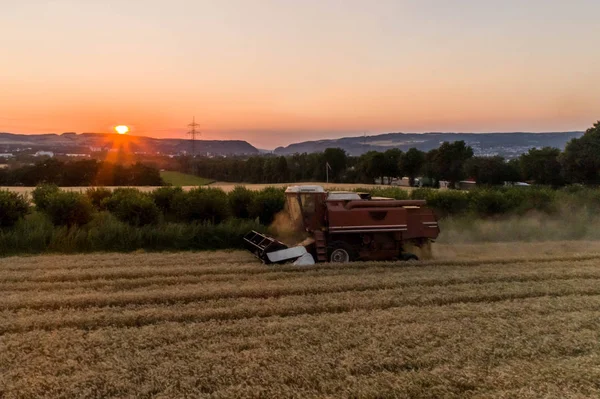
(321, 245)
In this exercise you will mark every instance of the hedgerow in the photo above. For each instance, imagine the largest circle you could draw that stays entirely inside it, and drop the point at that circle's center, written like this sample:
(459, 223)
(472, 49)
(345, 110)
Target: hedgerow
(67, 208)
(202, 204)
(208, 218)
(13, 207)
(133, 207)
(266, 204)
(37, 234)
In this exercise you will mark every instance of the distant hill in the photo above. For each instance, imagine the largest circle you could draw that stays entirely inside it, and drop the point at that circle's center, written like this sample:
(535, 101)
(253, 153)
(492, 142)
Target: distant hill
(508, 145)
(88, 142)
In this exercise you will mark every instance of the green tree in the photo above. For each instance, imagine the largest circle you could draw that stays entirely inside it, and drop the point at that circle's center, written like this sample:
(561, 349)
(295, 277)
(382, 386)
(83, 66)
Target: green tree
(144, 175)
(13, 207)
(255, 171)
(283, 170)
(79, 173)
(67, 208)
(376, 166)
(393, 157)
(411, 164)
(488, 170)
(42, 193)
(542, 166)
(316, 167)
(270, 171)
(449, 161)
(336, 158)
(581, 158)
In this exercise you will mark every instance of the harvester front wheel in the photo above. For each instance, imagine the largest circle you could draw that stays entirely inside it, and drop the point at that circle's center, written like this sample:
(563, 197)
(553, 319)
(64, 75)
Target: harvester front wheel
(340, 252)
(408, 257)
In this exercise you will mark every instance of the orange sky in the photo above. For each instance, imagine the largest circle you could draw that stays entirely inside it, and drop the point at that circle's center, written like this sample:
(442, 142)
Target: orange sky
(276, 72)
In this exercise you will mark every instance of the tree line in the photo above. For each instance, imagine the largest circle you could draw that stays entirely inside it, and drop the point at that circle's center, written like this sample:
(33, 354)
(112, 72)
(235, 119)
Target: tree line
(88, 172)
(452, 162)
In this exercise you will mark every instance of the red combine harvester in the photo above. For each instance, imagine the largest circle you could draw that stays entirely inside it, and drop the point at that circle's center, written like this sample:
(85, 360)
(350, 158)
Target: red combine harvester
(348, 226)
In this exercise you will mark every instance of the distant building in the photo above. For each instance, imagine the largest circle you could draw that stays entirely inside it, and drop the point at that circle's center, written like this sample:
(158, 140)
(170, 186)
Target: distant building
(394, 181)
(467, 184)
(6, 155)
(4, 166)
(516, 184)
(78, 155)
(429, 182)
(44, 154)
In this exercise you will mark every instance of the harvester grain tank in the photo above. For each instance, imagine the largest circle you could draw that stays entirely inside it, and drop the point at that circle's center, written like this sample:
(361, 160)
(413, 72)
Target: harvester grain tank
(349, 226)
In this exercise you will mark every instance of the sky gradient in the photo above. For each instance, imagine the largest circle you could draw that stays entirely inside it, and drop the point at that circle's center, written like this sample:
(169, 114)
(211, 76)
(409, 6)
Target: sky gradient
(277, 72)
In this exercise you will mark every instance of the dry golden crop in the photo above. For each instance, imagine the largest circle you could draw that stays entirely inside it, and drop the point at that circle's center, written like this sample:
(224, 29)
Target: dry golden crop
(227, 187)
(497, 320)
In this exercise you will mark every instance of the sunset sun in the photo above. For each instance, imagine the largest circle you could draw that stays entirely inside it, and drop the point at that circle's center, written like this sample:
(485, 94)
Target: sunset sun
(122, 129)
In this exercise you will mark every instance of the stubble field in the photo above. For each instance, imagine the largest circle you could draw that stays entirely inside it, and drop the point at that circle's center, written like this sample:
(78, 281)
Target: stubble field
(494, 320)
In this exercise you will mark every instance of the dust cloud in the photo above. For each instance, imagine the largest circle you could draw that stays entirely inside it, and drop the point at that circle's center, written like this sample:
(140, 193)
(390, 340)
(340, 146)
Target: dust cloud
(533, 234)
(567, 224)
(286, 230)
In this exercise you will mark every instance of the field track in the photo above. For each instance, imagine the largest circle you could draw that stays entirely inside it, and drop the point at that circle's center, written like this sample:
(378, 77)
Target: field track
(227, 187)
(496, 320)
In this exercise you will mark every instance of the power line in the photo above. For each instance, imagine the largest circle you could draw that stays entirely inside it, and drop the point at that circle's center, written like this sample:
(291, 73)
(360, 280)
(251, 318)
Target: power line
(193, 132)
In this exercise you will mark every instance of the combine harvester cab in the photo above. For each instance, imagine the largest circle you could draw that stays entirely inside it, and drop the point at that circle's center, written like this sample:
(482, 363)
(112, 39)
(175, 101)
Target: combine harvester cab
(349, 226)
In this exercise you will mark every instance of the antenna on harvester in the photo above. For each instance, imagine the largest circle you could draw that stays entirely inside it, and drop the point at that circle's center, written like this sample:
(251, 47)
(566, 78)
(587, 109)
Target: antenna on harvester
(193, 132)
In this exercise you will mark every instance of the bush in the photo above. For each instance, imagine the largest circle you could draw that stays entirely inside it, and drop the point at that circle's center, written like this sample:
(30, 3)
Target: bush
(163, 198)
(422, 193)
(69, 208)
(444, 202)
(575, 197)
(489, 202)
(13, 207)
(389, 192)
(36, 234)
(525, 199)
(133, 207)
(240, 200)
(111, 203)
(267, 203)
(42, 193)
(98, 196)
(202, 204)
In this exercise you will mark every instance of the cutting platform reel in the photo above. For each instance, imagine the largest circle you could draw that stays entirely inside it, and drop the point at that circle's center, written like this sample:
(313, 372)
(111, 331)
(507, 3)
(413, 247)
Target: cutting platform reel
(270, 250)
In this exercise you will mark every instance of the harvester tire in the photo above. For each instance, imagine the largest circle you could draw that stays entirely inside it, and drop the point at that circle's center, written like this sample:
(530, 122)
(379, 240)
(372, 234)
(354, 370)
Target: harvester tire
(407, 256)
(340, 252)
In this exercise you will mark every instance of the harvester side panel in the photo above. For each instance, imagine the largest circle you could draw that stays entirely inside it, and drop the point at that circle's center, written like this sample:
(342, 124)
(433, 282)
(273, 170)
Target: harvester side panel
(379, 230)
(423, 224)
(347, 219)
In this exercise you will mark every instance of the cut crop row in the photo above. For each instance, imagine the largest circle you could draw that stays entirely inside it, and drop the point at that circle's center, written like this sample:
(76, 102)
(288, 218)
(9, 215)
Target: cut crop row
(425, 276)
(150, 312)
(134, 270)
(203, 292)
(313, 355)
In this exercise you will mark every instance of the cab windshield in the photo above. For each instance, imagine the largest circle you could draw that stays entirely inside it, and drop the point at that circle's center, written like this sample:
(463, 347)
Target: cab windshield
(294, 209)
(301, 207)
(308, 204)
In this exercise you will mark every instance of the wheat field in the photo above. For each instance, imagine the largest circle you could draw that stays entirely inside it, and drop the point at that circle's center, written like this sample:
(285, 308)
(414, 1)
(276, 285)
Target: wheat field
(227, 187)
(479, 321)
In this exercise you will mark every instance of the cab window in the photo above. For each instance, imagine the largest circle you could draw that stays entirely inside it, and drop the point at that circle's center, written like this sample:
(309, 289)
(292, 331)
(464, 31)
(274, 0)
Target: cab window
(294, 209)
(308, 203)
